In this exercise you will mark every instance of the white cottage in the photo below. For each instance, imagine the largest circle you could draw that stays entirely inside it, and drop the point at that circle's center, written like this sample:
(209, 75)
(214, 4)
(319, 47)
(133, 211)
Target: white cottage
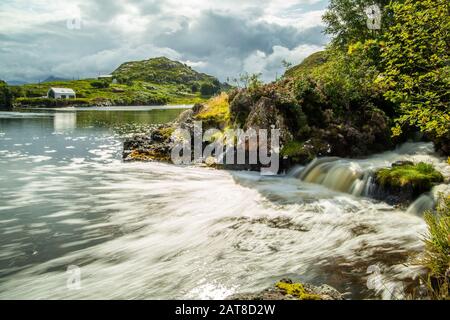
(61, 93)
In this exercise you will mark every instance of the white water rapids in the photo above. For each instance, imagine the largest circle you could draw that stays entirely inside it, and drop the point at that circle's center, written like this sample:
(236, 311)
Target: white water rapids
(158, 231)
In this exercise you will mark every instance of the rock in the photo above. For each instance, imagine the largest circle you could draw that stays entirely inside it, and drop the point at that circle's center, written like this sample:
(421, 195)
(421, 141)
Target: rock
(240, 106)
(155, 146)
(265, 114)
(404, 182)
(402, 163)
(285, 289)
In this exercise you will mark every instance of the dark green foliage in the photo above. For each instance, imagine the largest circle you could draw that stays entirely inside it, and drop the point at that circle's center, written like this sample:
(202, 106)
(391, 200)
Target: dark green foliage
(50, 103)
(100, 84)
(346, 21)
(417, 65)
(5, 96)
(208, 89)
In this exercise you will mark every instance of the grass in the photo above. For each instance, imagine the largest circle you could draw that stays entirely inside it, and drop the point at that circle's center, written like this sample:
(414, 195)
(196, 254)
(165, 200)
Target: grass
(421, 175)
(216, 111)
(136, 93)
(437, 250)
(309, 63)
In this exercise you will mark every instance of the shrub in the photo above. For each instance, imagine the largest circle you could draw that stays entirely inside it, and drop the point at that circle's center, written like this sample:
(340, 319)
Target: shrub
(5, 96)
(100, 84)
(208, 89)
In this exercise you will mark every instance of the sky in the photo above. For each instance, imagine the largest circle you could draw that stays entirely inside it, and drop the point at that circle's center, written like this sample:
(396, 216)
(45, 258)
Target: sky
(224, 38)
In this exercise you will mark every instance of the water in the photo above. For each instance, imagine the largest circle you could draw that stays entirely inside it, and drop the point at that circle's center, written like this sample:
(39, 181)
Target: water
(158, 231)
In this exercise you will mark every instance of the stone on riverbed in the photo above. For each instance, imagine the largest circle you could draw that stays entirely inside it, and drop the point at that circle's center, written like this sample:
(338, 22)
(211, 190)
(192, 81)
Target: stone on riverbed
(285, 289)
(404, 182)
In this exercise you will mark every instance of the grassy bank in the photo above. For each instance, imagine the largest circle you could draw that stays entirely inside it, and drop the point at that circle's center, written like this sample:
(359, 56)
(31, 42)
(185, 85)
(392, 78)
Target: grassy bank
(437, 250)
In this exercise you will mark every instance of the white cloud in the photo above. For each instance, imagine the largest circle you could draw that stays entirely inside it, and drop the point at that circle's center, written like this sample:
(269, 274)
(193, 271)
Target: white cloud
(219, 37)
(270, 66)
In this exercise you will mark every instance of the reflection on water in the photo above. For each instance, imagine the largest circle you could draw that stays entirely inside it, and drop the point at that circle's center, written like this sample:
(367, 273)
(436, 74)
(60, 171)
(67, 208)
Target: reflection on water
(149, 230)
(64, 122)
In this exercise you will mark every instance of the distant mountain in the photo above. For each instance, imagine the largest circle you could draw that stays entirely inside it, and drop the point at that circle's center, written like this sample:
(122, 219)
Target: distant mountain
(53, 79)
(162, 70)
(16, 82)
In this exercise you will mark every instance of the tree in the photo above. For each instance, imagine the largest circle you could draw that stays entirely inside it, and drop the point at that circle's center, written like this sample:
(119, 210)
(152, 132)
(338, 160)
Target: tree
(208, 89)
(346, 21)
(417, 65)
(5, 96)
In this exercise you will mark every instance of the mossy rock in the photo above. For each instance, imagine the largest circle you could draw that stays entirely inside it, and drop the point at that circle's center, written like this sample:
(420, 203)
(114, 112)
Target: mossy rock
(286, 289)
(403, 183)
(297, 290)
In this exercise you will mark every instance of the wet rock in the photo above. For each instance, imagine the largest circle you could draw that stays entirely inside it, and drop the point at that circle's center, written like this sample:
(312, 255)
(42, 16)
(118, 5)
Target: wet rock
(154, 146)
(404, 182)
(402, 163)
(286, 289)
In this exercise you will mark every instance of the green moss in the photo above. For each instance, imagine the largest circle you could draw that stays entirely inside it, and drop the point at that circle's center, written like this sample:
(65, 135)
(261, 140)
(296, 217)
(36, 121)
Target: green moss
(297, 290)
(421, 175)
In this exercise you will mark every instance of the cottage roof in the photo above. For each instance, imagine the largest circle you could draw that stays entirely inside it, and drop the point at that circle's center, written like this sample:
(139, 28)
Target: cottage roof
(63, 90)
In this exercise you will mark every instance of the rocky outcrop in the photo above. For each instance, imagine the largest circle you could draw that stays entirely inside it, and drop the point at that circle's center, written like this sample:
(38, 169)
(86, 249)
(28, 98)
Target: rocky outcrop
(285, 289)
(404, 182)
(155, 146)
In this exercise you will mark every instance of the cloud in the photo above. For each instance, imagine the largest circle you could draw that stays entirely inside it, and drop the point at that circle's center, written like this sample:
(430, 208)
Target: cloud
(270, 65)
(39, 38)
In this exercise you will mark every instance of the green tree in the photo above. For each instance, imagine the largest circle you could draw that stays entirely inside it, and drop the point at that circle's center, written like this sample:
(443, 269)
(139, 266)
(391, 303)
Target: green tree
(5, 96)
(208, 89)
(417, 65)
(346, 21)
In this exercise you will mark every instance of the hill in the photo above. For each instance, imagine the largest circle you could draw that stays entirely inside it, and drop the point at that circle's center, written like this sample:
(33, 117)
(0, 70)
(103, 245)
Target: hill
(161, 70)
(309, 63)
(155, 81)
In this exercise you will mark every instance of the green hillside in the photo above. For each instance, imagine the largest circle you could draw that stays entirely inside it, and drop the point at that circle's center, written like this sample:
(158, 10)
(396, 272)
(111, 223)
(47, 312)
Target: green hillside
(161, 70)
(307, 64)
(150, 82)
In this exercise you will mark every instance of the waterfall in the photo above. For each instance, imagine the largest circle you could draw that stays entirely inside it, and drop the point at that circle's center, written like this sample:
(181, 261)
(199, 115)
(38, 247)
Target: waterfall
(338, 174)
(355, 176)
(428, 201)
(424, 203)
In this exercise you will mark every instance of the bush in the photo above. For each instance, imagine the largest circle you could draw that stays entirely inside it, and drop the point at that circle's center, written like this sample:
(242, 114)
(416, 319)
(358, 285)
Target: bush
(208, 89)
(50, 103)
(100, 84)
(5, 96)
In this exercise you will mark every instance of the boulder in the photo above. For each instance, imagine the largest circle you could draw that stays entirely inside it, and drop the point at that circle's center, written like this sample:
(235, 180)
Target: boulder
(286, 289)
